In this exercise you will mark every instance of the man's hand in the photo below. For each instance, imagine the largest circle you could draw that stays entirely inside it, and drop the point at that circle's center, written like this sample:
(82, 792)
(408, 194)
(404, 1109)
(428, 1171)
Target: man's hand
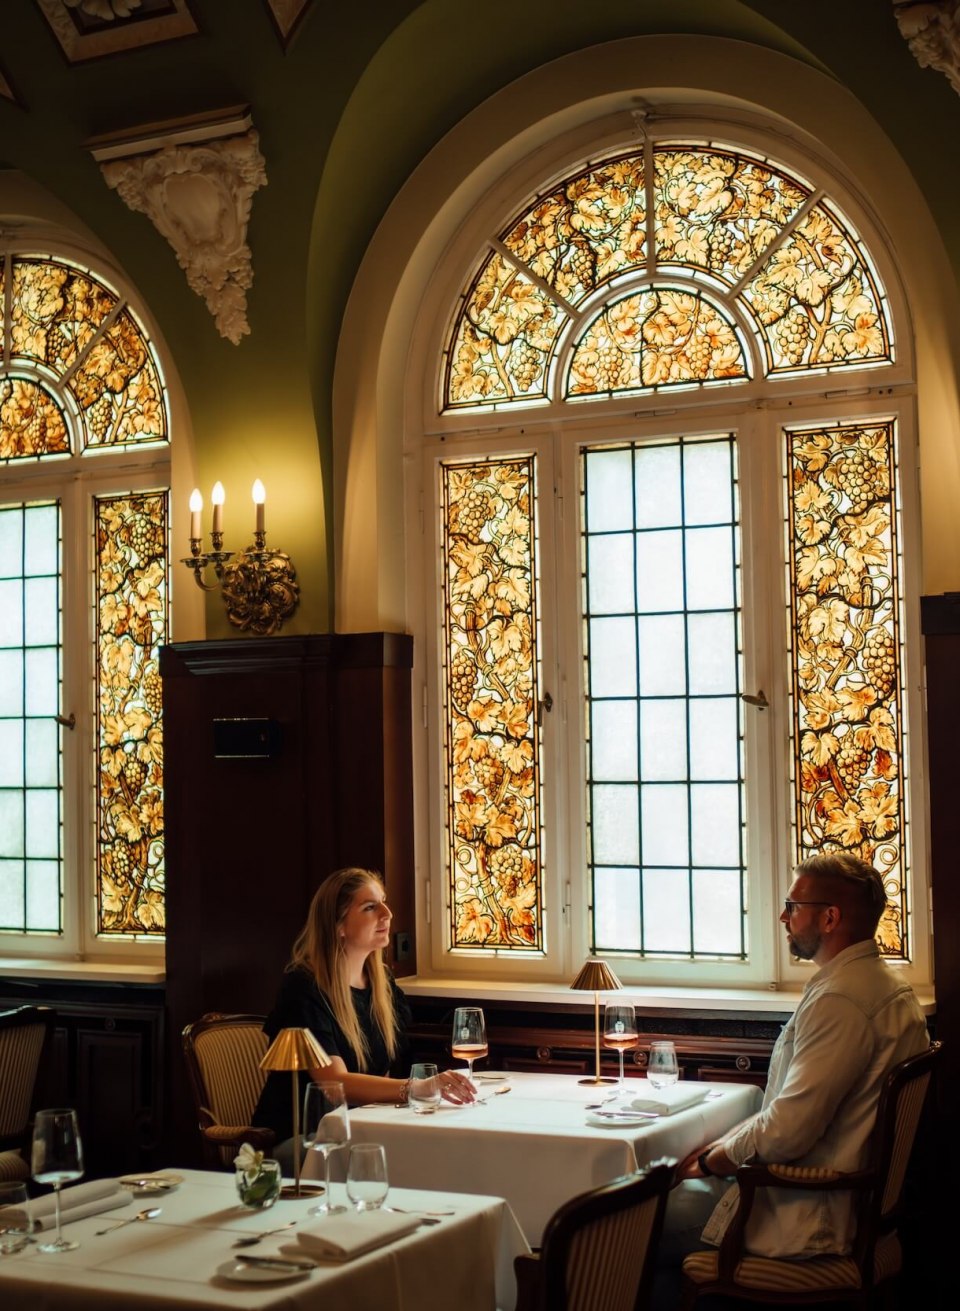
(716, 1158)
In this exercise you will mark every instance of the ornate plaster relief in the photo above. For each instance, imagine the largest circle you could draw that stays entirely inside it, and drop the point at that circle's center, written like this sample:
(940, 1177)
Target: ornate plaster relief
(931, 28)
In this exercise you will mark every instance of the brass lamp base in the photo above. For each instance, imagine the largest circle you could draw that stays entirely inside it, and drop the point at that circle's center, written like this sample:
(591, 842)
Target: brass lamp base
(594, 1079)
(290, 1192)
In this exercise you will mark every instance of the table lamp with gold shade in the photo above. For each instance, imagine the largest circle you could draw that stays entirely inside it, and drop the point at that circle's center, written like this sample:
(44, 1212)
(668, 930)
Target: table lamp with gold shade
(596, 977)
(295, 1050)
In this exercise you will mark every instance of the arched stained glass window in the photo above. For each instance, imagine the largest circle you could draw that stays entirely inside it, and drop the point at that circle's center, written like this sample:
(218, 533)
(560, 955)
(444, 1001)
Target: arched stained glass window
(79, 378)
(61, 324)
(778, 255)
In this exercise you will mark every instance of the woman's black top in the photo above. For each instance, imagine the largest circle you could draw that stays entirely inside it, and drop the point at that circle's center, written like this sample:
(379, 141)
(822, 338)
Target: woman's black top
(301, 1005)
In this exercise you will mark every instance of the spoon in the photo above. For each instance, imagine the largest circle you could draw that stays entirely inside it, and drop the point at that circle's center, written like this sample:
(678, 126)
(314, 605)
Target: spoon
(497, 1092)
(141, 1215)
(250, 1239)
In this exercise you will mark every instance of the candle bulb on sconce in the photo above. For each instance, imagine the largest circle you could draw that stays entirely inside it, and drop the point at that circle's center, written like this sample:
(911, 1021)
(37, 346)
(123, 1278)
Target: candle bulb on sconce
(259, 496)
(196, 507)
(259, 586)
(217, 497)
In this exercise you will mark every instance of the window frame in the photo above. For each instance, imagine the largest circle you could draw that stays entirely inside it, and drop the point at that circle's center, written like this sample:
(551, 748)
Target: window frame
(74, 480)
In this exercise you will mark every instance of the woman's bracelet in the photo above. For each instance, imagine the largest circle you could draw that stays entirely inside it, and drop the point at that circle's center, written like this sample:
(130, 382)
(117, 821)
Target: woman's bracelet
(402, 1096)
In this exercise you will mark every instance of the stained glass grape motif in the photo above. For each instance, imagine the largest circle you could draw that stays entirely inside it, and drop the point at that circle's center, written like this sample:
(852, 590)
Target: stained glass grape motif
(492, 748)
(845, 623)
(131, 536)
(766, 240)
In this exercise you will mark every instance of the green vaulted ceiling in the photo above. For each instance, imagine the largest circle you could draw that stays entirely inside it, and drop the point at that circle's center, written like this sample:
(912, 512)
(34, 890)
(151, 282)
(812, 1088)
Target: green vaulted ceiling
(345, 110)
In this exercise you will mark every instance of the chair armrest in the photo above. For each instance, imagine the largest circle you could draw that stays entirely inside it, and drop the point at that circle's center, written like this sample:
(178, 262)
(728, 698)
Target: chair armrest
(527, 1269)
(795, 1178)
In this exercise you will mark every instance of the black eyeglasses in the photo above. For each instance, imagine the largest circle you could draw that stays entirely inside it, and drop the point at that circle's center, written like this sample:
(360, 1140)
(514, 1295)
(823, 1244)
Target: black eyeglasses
(790, 906)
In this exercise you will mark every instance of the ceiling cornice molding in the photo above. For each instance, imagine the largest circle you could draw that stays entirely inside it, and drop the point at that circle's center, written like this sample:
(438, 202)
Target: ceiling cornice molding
(931, 28)
(195, 181)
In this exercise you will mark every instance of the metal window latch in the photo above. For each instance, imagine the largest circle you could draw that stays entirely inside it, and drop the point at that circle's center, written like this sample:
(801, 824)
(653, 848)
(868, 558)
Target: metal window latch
(545, 704)
(760, 700)
(67, 721)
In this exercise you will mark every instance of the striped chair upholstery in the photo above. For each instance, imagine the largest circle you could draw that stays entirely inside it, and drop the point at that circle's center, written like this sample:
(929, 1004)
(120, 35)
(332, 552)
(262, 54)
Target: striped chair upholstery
(223, 1054)
(876, 1257)
(23, 1034)
(599, 1249)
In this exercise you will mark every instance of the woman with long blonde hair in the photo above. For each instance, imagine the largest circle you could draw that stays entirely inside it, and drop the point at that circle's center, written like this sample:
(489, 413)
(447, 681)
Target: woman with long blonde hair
(337, 985)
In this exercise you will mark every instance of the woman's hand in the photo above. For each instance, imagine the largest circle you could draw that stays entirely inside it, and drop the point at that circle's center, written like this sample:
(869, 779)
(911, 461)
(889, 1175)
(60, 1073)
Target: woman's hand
(456, 1087)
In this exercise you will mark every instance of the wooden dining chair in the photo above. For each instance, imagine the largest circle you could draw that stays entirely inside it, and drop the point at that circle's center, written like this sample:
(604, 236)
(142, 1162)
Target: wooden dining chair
(24, 1035)
(599, 1249)
(223, 1055)
(869, 1273)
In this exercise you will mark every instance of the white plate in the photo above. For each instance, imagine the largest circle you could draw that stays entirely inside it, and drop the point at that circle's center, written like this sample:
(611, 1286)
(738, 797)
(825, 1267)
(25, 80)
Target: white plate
(615, 1121)
(491, 1076)
(149, 1185)
(257, 1274)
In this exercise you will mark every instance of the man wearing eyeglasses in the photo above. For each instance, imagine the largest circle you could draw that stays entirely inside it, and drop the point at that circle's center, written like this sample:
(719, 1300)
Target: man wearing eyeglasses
(855, 1021)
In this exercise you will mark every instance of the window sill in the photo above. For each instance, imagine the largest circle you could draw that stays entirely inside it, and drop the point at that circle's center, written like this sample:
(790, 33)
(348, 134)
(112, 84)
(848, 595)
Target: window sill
(76, 971)
(717, 1001)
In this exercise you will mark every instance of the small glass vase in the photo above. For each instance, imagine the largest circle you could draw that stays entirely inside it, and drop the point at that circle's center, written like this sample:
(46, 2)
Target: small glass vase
(259, 1189)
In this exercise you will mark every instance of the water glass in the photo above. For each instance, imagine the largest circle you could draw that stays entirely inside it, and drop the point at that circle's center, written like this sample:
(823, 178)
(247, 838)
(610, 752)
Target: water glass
(662, 1067)
(423, 1090)
(367, 1184)
(15, 1223)
(326, 1125)
(259, 1188)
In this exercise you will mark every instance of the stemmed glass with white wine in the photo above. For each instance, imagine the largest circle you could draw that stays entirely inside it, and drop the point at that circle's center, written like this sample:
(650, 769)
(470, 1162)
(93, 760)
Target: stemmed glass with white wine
(620, 1033)
(326, 1125)
(57, 1159)
(469, 1039)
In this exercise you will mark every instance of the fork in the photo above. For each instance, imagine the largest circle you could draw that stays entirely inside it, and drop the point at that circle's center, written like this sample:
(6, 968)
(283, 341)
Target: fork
(250, 1239)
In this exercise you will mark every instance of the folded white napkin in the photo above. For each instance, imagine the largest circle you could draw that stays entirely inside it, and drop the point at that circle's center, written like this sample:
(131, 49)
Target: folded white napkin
(667, 1101)
(342, 1237)
(76, 1201)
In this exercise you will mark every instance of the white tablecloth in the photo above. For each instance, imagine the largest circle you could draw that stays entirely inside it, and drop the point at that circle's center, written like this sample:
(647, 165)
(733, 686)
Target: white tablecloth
(465, 1261)
(533, 1145)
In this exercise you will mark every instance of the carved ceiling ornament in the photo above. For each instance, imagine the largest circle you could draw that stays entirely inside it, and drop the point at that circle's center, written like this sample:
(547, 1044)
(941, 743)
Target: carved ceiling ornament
(287, 16)
(931, 28)
(90, 29)
(198, 193)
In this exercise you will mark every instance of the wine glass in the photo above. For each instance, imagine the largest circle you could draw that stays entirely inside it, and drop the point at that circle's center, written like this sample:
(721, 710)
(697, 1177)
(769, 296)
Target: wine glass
(57, 1160)
(662, 1068)
(423, 1090)
(469, 1036)
(367, 1183)
(619, 1032)
(326, 1127)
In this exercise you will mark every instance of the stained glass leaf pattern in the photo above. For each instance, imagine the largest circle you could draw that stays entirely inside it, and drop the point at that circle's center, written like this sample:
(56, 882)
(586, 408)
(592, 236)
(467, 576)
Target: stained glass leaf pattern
(652, 339)
(30, 421)
(490, 682)
(814, 299)
(818, 299)
(586, 231)
(845, 627)
(719, 211)
(67, 321)
(503, 338)
(55, 311)
(131, 537)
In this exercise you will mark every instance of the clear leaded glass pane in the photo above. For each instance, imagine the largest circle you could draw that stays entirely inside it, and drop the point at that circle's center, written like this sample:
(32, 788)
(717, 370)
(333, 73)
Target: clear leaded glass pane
(845, 628)
(131, 576)
(492, 759)
(665, 785)
(796, 268)
(31, 837)
(654, 339)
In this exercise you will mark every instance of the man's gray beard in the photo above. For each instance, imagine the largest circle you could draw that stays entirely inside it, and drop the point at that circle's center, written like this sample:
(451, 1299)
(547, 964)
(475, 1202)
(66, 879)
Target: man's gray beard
(802, 953)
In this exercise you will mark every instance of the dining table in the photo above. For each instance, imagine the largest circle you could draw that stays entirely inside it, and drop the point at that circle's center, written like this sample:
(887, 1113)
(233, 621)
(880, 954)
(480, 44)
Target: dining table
(460, 1255)
(539, 1139)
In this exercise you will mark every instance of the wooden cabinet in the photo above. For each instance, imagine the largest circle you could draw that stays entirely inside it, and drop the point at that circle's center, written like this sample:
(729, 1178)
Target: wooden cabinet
(287, 758)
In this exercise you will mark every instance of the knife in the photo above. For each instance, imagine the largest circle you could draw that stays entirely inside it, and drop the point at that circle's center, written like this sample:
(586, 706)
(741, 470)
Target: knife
(275, 1262)
(629, 1115)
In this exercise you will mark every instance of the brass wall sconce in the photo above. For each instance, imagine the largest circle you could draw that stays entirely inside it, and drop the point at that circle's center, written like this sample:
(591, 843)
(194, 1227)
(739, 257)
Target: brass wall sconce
(259, 587)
